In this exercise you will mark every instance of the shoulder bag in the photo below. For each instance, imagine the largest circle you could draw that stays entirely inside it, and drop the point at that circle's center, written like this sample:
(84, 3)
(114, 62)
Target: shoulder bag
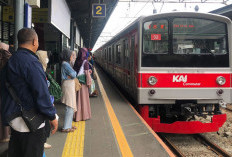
(31, 117)
(77, 85)
(54, 88)
(94, 76)
(81, 74)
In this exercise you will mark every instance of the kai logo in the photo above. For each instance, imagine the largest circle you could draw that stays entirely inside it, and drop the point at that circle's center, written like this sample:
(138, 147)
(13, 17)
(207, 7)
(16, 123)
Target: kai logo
(179, 78)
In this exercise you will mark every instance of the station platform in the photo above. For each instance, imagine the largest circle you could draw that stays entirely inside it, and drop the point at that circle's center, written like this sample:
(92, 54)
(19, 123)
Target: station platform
(114, 130)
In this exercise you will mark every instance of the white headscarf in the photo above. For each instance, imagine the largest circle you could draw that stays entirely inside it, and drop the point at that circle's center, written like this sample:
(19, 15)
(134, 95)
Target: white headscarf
(4, 46)
(43, 58)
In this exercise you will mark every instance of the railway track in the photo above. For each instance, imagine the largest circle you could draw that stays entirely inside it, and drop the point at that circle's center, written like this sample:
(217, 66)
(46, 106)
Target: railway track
(172, 146)
(211, 149)
(212, 146)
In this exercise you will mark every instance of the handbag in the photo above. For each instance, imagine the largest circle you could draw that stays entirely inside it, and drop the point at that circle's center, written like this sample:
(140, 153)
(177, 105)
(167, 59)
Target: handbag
(54, 88)
(77, 85)
(94, 77)
(31, 117)
(92, 87)
(81, 75)
(82, 78)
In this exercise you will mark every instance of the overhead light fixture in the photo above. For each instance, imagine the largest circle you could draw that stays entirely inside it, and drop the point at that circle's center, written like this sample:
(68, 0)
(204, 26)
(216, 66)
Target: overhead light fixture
(196, 8)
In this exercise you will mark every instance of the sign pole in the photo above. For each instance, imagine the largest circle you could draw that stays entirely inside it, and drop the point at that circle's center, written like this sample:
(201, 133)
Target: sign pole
(19, 15)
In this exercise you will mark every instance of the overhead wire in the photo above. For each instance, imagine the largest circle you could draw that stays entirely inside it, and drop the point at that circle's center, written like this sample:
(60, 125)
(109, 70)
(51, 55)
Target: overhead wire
(135, 16)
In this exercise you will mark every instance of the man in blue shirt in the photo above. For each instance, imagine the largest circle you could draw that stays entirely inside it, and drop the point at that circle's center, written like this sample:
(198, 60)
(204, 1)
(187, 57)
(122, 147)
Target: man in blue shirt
(25, 74)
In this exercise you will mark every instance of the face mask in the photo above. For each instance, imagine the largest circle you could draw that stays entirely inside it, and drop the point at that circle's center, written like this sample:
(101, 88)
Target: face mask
(47, 60)
(72, 63)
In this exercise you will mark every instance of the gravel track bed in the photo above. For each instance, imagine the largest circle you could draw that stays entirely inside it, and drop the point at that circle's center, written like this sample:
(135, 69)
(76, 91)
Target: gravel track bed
(189, 146)
(223, 138)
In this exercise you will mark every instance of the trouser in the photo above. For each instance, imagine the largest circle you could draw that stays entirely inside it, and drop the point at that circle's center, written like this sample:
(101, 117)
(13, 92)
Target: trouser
(47, 128)
(68, 118)
(28, 144)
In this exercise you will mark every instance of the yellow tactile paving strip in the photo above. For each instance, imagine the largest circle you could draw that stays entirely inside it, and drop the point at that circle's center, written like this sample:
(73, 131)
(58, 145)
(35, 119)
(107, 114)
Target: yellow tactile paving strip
(121, 139)
(74, 145)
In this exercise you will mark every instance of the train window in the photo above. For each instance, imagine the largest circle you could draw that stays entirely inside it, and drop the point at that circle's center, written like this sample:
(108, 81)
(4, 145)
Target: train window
(113, 53)
(199, 36)
(105, 54)
(155, 37)
(133, 44)
(126, 50)
(109, 53)
(118, 54)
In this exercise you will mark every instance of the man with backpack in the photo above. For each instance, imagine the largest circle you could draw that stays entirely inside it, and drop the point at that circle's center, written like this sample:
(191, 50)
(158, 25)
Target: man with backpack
(24, 73)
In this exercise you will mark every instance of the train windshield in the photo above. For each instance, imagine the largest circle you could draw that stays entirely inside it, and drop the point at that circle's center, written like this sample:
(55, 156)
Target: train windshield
(198, 36)
(191, 42)
(155, 38)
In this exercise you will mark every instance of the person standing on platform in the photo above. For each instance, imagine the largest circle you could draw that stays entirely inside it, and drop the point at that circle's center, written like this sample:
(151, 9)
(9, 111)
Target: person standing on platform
(26, 76)
(83, 105)
(43, 58)
(92, 90)
(68, 74)
(4, 130)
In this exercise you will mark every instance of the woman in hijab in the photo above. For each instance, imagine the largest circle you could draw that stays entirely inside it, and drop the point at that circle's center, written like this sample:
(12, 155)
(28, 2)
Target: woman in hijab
(4, 131)
(83, 104)
(68, 74)
(43, 58)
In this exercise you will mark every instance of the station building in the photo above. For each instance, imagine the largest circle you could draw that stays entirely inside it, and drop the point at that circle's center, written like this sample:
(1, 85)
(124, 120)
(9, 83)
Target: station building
(59, 24)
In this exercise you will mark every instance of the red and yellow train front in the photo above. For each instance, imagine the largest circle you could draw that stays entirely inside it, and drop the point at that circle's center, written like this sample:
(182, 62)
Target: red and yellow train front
(184, 72)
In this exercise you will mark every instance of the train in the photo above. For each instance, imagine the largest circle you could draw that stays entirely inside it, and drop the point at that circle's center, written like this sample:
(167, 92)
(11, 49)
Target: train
(177, 68)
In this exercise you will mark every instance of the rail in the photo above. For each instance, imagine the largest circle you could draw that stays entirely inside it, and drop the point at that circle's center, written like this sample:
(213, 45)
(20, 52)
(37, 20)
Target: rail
(173, 148)
(203, 140)
(212, 146)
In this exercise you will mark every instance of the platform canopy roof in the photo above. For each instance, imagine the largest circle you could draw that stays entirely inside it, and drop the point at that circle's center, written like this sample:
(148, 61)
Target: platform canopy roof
(226, 11)
(90, 27)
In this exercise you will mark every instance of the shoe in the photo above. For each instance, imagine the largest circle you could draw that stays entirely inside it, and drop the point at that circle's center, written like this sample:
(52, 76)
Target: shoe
(74, 128)
(47, 146)
(67, 130)
(94, 94)
(5, 140)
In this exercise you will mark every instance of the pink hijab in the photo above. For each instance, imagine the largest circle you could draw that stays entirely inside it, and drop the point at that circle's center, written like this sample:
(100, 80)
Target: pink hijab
(82, 55)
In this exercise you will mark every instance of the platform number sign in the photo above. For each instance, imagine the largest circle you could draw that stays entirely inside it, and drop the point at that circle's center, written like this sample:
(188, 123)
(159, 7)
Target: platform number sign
(99, 10)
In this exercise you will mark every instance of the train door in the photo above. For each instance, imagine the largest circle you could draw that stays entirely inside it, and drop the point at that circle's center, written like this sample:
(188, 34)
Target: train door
(109, 60)
(113, 60)
(131, 60)
(118, 71)
(126, 63)
(105, 59)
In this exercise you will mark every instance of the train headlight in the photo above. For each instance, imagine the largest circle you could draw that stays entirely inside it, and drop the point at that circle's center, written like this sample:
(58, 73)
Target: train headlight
(221, 80)
(152, 80)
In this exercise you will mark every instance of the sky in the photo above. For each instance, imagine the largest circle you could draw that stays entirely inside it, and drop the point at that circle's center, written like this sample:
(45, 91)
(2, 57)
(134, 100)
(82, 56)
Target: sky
(126, 12)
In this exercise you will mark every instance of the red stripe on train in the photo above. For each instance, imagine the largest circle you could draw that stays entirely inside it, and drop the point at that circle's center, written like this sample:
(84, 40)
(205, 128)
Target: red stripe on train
(184, 80)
